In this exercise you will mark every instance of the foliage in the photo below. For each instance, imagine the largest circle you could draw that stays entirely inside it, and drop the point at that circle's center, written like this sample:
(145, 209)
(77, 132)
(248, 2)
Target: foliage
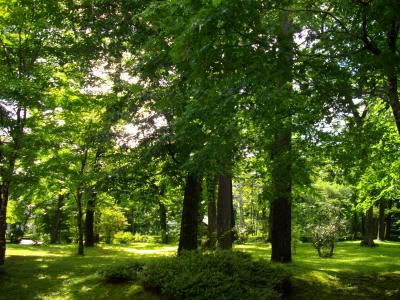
(123, 237)
(111, 221)
(121, 272)
(219, 275)
(325, 237)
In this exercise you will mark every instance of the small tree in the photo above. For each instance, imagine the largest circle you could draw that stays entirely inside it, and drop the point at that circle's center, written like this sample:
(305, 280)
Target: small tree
(111, 221)
(325, 236)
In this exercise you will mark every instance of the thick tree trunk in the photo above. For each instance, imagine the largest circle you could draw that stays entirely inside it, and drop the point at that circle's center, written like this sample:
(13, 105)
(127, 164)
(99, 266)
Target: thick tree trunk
(381, 221)
(281, 212)
(211, 183)
(224, 212)
(163, 223)
(55, 232)
(189, 221)
(368, 239)
(4, 190)
(392, 36)
(281, 166)
(89, 221)
(394, 98)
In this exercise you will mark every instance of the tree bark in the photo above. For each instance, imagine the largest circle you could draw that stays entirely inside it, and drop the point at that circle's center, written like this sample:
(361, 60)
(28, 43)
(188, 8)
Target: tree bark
(80, 220)
(55, 232)
(79, 194)
(131, 220)
(224, 212)
(392, 36)
(189, 220)
(388, 222)
(281, 152)
(368, 239)
(211, 183)
(163, 223)
(381, 221)
(89, 221)
(241, 210)
(3, 217)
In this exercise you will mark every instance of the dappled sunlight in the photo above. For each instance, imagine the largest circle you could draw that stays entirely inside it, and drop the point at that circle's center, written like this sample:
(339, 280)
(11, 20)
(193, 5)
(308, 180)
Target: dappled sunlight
(164, 251)
(58, 273)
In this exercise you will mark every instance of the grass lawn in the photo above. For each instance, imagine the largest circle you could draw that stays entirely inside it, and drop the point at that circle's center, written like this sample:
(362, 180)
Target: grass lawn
(55, 272)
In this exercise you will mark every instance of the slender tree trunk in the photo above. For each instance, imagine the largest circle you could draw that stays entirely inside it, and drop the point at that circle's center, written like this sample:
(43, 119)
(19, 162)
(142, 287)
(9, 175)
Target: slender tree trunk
(354, 226)
(211, 182)
(3, 217)
(132, 220)
(388, 222)
(163, 223)
(381, 221)
(80, 220)
(55, 232)
(224, 212)
(189, 221)
(368, 239)
(89, 221)
(241, 209)
(79, 194)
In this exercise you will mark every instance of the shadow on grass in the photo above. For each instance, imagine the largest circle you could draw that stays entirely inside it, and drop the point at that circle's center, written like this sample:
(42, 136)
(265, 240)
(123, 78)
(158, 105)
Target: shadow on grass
(56, 272)
(346, 285)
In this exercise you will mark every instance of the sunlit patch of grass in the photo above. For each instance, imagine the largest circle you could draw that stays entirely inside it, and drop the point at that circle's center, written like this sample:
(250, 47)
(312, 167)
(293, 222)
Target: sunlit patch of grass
(354, 272)
(57, 272)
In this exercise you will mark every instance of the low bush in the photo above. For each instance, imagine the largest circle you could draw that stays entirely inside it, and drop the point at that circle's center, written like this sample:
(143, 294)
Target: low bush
(218, 275)
(121, 272)
(122, 237)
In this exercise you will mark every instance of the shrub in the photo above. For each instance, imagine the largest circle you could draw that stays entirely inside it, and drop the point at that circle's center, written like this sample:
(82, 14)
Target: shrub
(325, 237)
(121, 272)
(111, 221)
(219, 275)
(123, 237)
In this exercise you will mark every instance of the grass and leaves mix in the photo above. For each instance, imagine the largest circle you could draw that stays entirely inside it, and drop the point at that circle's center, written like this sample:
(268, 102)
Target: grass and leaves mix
(146, 271)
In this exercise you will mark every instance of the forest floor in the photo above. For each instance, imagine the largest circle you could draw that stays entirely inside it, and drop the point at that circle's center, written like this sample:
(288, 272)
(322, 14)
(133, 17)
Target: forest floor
(56, 272)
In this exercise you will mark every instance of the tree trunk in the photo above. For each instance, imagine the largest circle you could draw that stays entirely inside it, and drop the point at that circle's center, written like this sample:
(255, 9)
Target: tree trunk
(163, 223)
(368, 239)
(381, 221)
(89, 221)
(4, 189)
(80, 220)
(224, 212)
(55, 232)
(281, 166)
(392, 36)
(132, 220)
(211, 182)
(354, 226)
(189, 221)
(388, 222)
(241, 210)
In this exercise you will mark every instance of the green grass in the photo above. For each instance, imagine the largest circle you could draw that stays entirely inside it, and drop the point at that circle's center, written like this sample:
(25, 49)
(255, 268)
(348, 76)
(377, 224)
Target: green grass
(56, 272)
(353, 272)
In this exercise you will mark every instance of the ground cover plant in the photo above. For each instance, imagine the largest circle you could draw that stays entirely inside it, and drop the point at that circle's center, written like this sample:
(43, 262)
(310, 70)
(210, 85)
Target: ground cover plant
(56, 272)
